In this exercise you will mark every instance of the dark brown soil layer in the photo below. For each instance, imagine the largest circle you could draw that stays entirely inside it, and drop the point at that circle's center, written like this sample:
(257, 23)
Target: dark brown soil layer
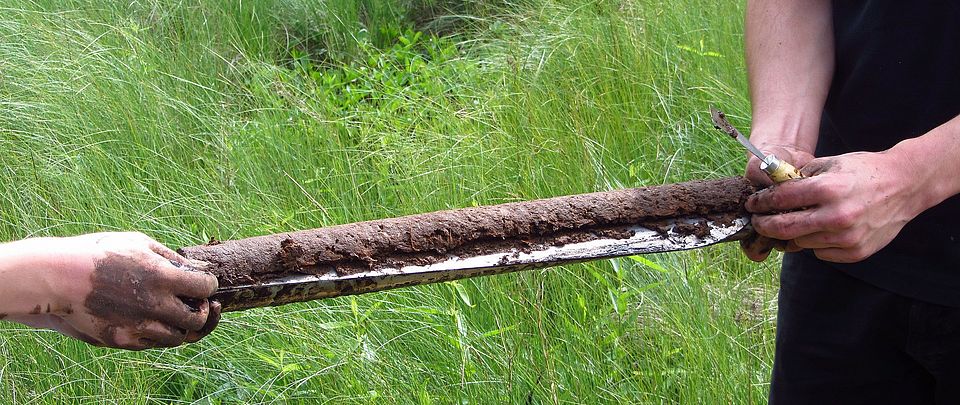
(432, 237)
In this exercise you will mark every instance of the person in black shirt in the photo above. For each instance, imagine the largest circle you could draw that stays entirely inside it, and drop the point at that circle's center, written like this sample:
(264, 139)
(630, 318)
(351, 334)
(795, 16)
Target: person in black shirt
(864, 97)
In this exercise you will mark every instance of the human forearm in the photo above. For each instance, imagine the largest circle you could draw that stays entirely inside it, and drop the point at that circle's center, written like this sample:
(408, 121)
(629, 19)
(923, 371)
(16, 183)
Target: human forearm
(789, 52)
(931, 161)
(25, 277)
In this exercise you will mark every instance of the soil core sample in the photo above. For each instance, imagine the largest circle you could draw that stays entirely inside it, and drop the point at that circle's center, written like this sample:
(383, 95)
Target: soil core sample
(432, 237)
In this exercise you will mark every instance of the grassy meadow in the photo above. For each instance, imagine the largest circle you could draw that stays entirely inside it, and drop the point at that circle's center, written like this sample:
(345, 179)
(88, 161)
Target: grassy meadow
(195, 119)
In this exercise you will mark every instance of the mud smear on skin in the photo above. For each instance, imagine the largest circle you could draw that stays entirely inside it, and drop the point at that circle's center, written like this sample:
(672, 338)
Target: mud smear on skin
(433, 237)
(124, 293)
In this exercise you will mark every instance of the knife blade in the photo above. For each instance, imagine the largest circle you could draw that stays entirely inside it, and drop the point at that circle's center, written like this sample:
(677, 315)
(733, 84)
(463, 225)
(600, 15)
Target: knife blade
(775, 168)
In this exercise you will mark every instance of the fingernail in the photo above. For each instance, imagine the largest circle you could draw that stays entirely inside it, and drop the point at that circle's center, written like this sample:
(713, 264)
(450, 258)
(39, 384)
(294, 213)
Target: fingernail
(176, 263)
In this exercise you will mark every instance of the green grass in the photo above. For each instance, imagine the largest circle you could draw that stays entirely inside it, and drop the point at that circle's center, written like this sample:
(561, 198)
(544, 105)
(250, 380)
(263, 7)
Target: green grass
(187, 120)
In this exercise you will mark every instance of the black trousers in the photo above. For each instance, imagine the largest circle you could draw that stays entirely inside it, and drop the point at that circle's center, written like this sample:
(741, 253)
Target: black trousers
(841, 340)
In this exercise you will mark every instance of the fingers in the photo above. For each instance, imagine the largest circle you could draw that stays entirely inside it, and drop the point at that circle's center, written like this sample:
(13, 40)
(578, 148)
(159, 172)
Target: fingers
(818, 166)
(789, 153)
(193, 284)
(823, 240)
(836, 247)
(212, 321)
(757, 247)
(176, 259)
(838, 255)
(788, 196)
(175, 312)
(166, 252)
(790, 225)
(156, 333)
(755, 175)
(180, 299)
(791, 247)
(186, 283)
(179, 279)
(148, 334)
(185, 311)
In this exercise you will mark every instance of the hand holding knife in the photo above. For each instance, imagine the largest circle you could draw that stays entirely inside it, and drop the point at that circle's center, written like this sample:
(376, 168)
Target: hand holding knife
(778, 170)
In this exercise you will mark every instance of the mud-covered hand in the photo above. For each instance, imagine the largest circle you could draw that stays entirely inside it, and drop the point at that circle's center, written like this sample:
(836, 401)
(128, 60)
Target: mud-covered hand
(849, 206)
(757, 246)
(121, 290)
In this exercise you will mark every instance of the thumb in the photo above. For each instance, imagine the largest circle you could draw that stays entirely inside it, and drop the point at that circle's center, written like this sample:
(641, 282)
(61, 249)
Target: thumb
(756, 176)
(817, 166)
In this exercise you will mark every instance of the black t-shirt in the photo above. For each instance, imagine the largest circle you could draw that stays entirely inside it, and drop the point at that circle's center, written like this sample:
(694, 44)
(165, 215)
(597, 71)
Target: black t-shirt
(898, 76)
